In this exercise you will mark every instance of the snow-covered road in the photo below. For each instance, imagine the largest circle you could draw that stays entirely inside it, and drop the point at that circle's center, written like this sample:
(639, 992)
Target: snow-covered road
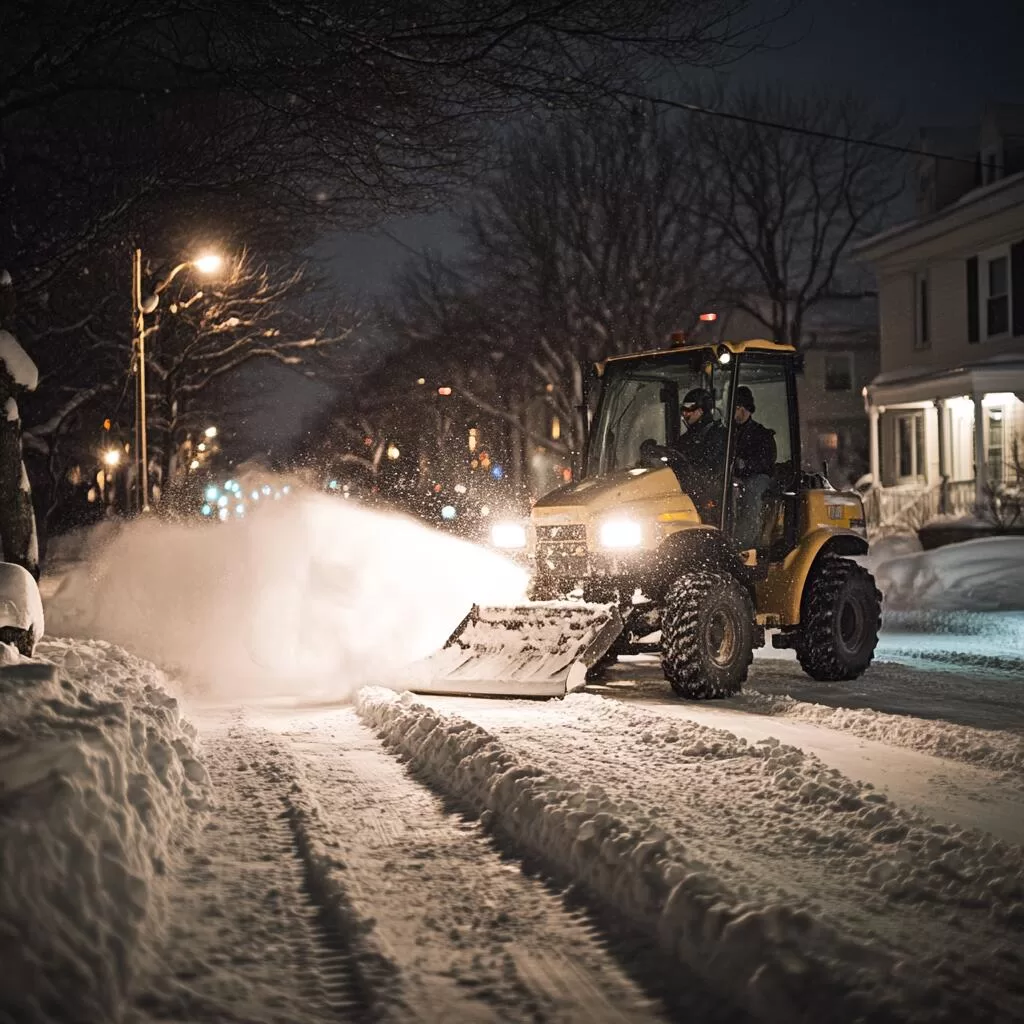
(329, 885)
(802, 852)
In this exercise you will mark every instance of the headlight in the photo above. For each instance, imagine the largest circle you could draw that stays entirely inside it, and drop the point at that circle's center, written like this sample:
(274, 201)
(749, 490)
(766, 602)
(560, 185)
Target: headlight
(621, 533)
(508, 535)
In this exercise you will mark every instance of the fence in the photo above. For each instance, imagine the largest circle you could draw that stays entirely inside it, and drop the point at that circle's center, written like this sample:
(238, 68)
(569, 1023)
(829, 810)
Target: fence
(889, 509)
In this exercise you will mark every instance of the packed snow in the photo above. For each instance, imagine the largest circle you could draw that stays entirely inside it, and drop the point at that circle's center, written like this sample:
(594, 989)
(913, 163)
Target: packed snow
(18, 362)
(101, 787)
(789, 886)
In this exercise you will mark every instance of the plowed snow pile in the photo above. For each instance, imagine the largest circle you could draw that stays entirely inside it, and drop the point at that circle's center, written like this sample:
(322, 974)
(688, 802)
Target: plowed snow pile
(311, 595)
(975, 575)
(99, 789)
(801, 893)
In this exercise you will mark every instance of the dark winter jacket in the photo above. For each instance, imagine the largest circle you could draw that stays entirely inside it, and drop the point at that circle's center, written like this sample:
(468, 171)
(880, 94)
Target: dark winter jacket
(699, 463)
(755, 450)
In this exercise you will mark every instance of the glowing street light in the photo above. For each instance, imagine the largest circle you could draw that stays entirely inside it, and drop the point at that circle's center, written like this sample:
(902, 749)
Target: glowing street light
(393, 452)
(207, 263)
(112, 458)
(210, 432)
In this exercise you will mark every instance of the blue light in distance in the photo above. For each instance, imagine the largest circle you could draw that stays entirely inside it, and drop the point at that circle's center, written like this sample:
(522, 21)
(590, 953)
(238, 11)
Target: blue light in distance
(448, 512)
(206, 510)
(497, 472)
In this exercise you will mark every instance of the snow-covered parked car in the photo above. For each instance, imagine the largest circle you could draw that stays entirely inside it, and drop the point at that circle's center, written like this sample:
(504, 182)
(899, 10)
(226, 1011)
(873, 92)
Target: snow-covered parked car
(21, 608)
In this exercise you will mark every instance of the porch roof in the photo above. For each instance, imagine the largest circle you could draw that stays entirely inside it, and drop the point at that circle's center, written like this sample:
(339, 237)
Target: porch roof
(1000, 373)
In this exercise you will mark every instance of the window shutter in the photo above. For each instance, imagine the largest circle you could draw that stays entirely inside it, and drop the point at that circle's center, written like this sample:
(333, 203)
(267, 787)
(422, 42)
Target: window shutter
(1017, 288)
(973, 336)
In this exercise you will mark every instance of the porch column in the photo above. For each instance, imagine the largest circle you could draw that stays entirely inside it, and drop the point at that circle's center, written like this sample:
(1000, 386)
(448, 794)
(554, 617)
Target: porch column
(873, 460)
(980, 467)
(940, 418)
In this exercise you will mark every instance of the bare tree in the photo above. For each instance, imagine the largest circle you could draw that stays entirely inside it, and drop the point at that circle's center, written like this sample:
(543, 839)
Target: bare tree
(788, 203)
(253, 312)
(592, 242)
(154, 121)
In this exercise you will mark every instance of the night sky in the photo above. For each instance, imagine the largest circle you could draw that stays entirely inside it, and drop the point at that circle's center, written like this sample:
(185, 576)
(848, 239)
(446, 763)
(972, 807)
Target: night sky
(931, 61)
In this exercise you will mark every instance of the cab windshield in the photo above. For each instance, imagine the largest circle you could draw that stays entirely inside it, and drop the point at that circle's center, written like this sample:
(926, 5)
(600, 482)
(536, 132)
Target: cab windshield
(640, 400)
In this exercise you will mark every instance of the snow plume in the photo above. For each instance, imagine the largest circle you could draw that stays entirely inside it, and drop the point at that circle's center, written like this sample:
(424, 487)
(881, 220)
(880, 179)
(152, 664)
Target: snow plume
(100, 788)
(308, 596)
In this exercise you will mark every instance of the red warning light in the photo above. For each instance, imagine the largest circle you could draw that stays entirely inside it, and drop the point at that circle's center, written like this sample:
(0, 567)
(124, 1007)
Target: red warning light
(708, 317)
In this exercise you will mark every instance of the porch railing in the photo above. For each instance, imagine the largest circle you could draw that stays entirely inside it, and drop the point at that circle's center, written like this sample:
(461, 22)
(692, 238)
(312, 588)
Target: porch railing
(908, 507)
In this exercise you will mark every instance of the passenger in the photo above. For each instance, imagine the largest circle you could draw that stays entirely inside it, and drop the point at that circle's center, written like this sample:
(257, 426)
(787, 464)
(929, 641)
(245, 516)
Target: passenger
(752, 467)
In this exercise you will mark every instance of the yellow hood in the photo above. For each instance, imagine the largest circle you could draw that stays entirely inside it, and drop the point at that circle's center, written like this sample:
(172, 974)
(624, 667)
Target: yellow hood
(644, 493)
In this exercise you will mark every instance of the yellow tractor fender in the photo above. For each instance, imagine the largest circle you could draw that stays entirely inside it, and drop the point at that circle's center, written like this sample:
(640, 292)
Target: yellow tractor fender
(781, 594)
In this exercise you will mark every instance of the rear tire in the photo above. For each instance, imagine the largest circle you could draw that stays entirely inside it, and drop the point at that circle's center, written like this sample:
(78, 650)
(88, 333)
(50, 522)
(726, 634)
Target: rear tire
(707, 631)
(840, 616)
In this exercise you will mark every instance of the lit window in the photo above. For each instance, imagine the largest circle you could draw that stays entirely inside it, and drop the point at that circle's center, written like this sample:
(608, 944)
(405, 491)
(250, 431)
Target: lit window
(910, 445)
(829, 440)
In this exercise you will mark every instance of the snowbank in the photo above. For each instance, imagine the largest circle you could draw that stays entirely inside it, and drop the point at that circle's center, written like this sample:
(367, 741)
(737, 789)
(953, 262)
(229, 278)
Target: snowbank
(782, 962)
(100, 787)
(986, 574)
(308, 596)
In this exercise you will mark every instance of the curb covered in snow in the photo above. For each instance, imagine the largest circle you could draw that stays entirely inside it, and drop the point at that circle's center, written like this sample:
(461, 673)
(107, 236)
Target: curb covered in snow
(99, 787)
(781, 963)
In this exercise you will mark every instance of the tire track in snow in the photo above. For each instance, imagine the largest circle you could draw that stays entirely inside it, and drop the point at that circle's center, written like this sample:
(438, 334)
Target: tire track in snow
(250, 938)
(476, 939)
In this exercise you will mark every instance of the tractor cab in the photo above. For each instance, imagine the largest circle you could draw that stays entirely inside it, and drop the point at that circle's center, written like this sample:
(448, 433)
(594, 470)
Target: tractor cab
(640, 423)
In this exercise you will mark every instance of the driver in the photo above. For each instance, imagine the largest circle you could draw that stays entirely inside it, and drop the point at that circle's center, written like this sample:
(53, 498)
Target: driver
(699, 452)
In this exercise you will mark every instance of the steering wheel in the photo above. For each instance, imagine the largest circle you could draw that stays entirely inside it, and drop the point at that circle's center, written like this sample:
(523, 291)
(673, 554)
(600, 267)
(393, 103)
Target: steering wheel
(652, 453)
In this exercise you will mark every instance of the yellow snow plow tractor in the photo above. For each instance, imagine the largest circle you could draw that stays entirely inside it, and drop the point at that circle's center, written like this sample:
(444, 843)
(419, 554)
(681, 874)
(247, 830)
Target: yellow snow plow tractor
(691, 531)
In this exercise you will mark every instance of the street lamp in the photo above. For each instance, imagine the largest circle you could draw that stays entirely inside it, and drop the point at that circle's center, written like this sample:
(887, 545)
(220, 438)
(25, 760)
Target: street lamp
(207, 263)
(112, 458)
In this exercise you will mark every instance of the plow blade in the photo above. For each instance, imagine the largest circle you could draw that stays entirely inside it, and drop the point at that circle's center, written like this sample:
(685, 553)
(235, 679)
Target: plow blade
(540, 649)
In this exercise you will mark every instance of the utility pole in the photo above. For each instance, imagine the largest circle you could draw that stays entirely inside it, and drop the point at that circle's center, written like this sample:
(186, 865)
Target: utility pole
(141, 440)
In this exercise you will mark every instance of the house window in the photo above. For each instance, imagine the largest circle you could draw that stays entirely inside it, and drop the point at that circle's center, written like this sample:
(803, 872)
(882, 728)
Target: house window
(996, 452)
(923, 338)
(910, 448)
(838, 372)
(997, 301)
(829, 441)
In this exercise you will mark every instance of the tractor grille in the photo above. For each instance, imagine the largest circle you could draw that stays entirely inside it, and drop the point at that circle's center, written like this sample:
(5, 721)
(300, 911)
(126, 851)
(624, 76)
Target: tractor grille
(562, 550)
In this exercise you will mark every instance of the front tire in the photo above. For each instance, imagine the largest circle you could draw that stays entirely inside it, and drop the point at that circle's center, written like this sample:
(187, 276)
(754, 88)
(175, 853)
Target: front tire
(841, 613)
(707, 635)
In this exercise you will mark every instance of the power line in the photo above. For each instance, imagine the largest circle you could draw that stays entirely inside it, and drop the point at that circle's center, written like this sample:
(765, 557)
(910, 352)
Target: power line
(892, 147)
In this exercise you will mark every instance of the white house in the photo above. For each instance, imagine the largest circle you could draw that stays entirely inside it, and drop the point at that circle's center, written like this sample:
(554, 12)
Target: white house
(946, 406)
